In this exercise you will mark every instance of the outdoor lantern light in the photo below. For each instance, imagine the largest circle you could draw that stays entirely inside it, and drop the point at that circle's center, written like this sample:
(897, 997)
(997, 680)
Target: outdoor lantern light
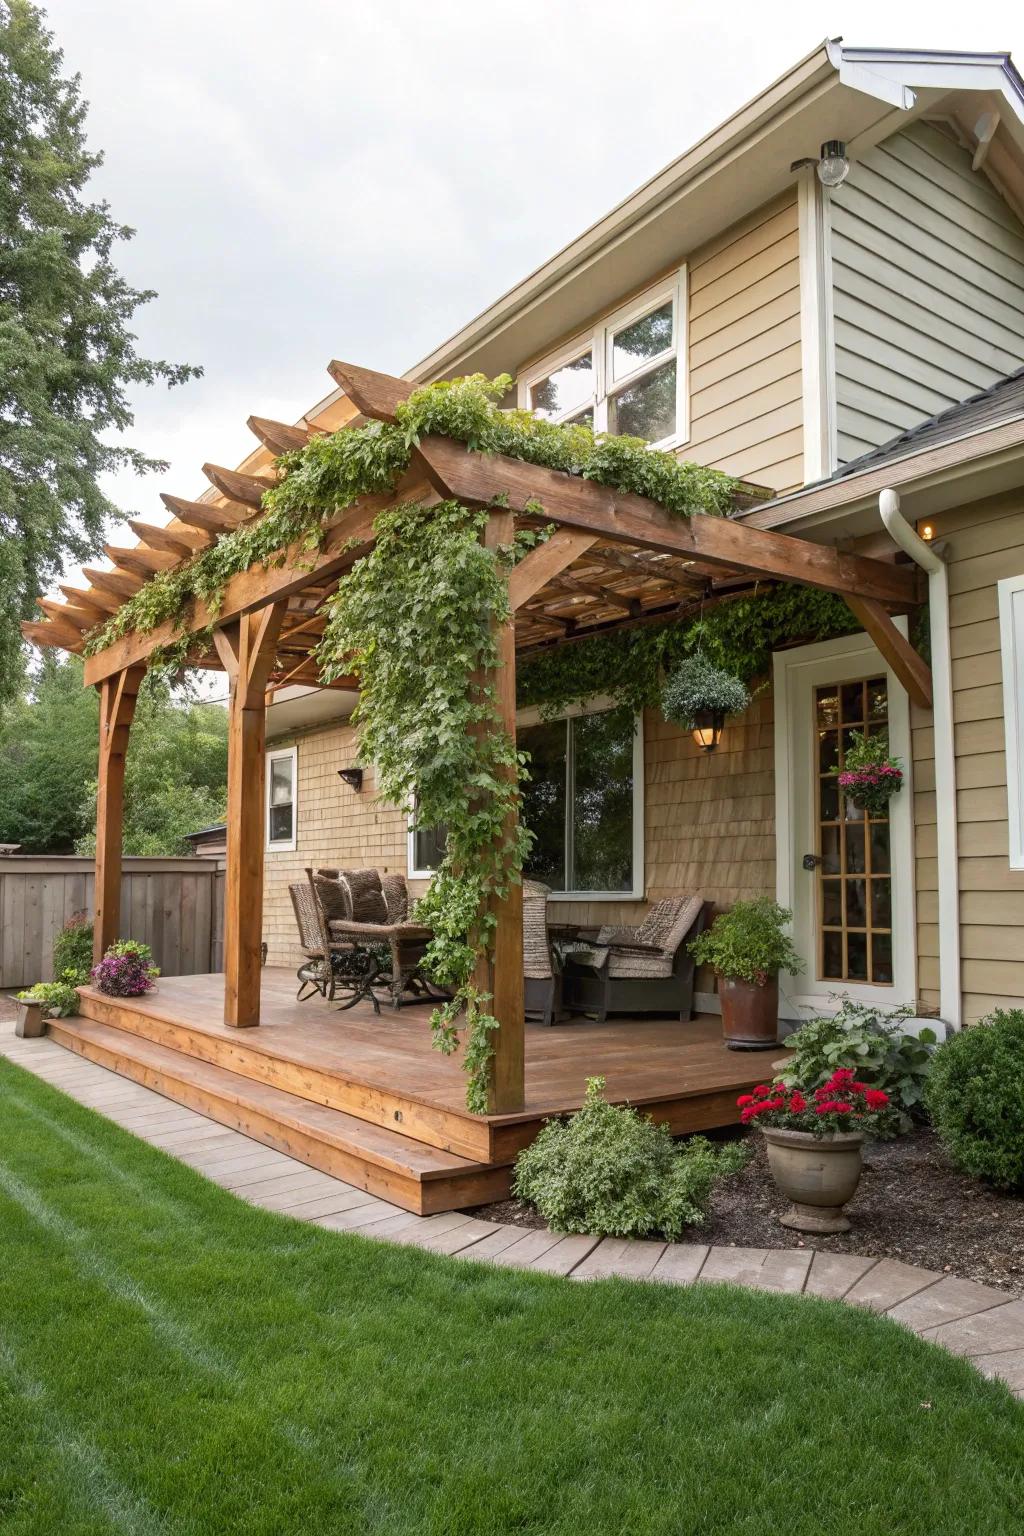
(832, 167)
(707, 733)
(352, 776)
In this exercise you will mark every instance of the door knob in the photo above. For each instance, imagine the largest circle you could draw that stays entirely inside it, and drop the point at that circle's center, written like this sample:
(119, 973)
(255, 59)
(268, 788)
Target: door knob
(812, 860)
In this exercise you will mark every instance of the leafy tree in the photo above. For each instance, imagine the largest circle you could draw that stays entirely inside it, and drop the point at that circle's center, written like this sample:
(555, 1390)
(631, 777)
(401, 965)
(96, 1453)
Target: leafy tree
(67, 356)
(175, 775)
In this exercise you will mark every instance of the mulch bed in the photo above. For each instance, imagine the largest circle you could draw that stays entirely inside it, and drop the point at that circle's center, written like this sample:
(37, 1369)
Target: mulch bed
(911, 1205)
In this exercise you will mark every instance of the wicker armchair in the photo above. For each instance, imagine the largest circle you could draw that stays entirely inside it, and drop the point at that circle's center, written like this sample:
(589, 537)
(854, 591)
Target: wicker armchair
(317, 972)
(646, 969)
(542, 972)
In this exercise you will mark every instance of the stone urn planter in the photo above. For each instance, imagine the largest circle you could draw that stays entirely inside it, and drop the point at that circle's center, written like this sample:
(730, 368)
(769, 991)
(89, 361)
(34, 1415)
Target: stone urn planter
(30, 1023)
(819, 1174)
(750, 1013)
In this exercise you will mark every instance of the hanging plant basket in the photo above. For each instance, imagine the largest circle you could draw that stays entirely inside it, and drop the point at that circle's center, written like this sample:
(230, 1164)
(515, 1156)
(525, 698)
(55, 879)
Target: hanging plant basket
(870, 776)
(698, 695)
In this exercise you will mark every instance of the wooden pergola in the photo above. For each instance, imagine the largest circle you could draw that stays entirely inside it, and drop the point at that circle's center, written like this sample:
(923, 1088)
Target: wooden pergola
(614, 560)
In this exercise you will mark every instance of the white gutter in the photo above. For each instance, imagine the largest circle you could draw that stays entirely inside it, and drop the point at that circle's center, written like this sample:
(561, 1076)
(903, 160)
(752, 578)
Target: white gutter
(900, 531)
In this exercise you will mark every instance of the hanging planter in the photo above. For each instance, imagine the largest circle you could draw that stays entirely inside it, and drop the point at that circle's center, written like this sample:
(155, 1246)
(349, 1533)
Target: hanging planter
(870, 777)
(698, 696)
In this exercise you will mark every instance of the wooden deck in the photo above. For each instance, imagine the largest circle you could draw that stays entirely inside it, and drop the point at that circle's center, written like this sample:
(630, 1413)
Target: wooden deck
(367, 1098)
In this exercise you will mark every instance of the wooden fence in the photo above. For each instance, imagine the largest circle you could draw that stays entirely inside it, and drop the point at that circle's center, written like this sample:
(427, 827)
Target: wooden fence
(174, 905)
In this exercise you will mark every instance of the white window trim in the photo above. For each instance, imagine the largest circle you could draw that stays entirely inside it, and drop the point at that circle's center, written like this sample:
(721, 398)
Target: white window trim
(598, 340)
(596, 706)
(283, 845)
(1011, 644)
(412, 873)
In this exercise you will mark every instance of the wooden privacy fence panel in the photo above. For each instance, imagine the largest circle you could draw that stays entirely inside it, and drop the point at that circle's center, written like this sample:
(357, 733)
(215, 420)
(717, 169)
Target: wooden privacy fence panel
(173, 905)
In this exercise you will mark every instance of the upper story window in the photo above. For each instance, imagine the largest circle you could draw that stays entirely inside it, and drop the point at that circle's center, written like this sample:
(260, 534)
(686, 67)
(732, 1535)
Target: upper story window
(626, 376)
(281, 780)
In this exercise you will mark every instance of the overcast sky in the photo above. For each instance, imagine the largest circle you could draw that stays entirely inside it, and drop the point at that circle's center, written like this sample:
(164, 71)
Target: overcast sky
(319, 178)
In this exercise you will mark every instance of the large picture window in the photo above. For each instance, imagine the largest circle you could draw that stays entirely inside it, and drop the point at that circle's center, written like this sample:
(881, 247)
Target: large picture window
(626, 376)
(583, 802)
(281, 777)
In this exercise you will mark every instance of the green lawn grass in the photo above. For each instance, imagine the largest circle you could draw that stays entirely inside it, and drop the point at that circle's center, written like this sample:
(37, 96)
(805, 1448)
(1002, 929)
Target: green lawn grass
(174, 1361)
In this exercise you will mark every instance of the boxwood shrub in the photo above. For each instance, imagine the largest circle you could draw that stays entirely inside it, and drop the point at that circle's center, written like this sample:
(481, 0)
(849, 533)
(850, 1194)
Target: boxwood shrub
(612, 1172)
(975, 1095)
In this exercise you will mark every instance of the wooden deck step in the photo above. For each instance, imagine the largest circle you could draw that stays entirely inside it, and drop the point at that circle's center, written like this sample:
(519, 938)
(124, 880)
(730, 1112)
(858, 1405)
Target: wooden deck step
(283, 1059)
(396, 1167)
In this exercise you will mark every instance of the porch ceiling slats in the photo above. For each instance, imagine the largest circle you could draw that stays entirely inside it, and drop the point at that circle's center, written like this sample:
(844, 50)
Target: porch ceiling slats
(624, 561)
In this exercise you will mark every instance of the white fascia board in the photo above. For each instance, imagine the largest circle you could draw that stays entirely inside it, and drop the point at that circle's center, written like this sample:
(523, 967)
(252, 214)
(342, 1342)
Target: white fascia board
(922, 69)
(870, 81)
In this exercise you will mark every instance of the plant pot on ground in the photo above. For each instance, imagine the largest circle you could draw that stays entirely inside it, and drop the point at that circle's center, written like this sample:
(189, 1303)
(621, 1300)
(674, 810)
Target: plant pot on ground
(747, 948)
(815, 1144)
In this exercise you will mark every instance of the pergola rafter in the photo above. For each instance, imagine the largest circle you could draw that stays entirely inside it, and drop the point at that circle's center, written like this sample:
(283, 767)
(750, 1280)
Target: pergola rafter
(614, 561)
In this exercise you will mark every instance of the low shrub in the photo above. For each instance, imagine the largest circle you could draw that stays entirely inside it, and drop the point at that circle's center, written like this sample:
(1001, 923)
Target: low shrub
(57, 999)
(612, 1172)
(874, 1046)
(975, 1095)
(72, 948)
(126, 970)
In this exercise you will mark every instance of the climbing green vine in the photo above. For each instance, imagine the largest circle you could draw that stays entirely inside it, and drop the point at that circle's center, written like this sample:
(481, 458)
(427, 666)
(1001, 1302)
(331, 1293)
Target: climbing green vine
(738, 635)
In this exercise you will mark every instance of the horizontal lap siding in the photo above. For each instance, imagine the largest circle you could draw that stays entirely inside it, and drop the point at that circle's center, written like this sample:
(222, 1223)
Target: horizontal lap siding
(335, 827)
(746, 414)
(983, 543)
(928, 286)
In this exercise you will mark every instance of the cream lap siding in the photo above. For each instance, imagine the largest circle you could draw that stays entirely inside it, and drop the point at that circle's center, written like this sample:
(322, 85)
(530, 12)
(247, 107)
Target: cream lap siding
(746, 411)
(928, 286)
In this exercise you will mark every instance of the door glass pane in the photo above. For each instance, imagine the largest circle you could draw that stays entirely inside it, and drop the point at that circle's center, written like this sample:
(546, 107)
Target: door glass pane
(543, 801)
(642, 339)
(602, 802)
(855, 887)
(647, 408)
(570, 385)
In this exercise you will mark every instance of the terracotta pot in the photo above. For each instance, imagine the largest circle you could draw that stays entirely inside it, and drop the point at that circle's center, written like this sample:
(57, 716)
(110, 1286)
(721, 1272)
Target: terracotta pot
(750, 1014)
(30, 1024)
(819, 1174)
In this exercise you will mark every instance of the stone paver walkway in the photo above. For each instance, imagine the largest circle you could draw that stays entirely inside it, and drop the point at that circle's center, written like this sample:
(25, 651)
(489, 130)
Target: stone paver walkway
(964, 1317)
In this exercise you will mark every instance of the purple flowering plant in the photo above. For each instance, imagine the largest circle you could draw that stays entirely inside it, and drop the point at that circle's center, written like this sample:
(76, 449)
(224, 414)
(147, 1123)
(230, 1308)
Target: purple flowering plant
(126, 970)
(870, 776)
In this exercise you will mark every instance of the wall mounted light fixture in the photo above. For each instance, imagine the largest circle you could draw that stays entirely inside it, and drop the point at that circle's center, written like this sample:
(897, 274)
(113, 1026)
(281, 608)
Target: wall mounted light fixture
(707, 733)
(832, 166)
(352, 777)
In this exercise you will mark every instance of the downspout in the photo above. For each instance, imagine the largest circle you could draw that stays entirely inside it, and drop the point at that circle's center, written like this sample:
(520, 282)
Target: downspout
(900, 531)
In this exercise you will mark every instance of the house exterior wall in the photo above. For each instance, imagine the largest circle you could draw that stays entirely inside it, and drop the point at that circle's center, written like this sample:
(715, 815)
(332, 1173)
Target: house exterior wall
(928, 286)
(984, 542)
(743, 349)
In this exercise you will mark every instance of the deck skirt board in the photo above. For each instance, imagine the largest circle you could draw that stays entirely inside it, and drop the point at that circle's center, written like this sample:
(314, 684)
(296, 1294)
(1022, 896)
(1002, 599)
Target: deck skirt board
(367, 1099)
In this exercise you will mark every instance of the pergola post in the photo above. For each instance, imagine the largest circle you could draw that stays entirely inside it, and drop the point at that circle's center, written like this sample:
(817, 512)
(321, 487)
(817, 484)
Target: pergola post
(117, 707)
(503, 975)
(246, 649)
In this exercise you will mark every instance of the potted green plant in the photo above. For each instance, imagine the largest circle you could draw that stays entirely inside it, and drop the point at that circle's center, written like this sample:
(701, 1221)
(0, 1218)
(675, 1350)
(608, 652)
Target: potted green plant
(748, 947)
(815, 1142)
(698, 696)
(46, 1000)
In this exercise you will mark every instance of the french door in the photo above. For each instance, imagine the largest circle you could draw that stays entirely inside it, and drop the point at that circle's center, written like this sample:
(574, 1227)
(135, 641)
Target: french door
(848, 876)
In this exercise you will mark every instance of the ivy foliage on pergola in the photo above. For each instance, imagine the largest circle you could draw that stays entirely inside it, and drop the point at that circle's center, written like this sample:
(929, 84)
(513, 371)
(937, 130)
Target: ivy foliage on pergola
(594, 558)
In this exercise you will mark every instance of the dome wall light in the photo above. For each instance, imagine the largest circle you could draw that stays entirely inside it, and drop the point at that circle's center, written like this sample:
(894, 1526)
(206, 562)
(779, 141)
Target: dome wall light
(832, 166)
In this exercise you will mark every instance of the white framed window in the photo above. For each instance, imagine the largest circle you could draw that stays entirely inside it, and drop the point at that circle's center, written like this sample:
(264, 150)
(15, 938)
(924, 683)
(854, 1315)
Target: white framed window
(282, 781)
(426, 848)
(1011, 643)
(584, 802)
(626, 376)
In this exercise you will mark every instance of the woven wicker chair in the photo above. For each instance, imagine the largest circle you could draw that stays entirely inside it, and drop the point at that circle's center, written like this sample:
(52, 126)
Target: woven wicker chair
(317, 971)
(404, 942)
(542, 972)
(646, 969)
